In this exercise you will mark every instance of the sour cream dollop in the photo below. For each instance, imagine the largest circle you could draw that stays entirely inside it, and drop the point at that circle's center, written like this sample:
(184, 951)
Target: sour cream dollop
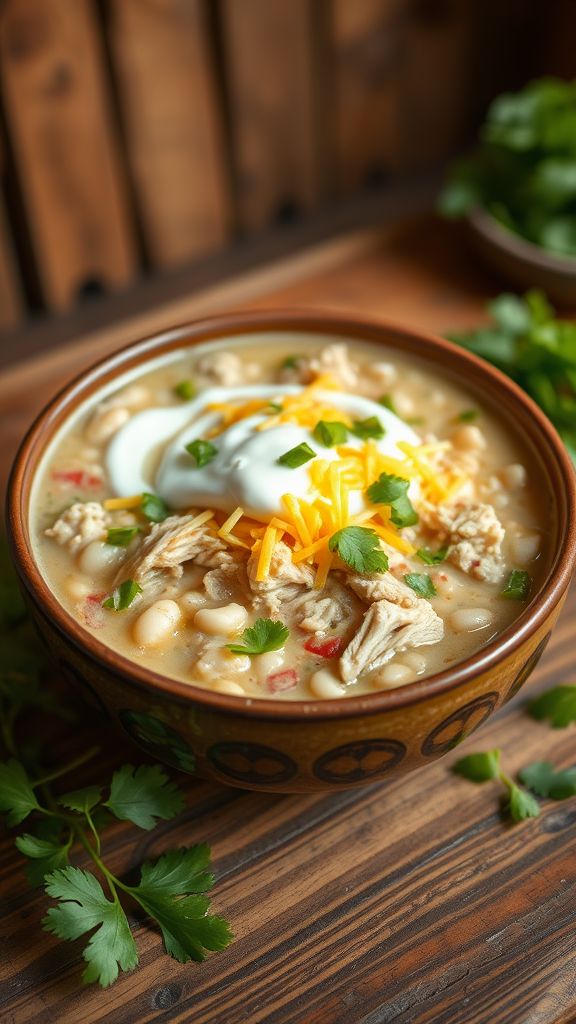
(245, 471)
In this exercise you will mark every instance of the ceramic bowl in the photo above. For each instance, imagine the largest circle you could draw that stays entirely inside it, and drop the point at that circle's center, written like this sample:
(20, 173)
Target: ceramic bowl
(521, 262)
(307, 745)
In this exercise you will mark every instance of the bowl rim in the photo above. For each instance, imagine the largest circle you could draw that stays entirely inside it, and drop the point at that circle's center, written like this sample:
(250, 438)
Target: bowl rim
(485, 224)
(432, 350)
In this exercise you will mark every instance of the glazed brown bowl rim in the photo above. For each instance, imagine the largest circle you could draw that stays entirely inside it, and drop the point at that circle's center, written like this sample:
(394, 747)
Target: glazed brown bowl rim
(507, 240)
(396, 336)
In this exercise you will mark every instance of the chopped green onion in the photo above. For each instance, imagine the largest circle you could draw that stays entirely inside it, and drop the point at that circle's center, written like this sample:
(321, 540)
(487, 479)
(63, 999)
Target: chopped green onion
(185, 389)
(297, 456)
(273, 407)
(330, 433)
(518, 586)
(123, 596)
(290, 363)
(421, 584)
(120, 536)
(467, 415)
(153, 507)
(430, 557)
(202, 452)
(370, 427)
(388, 403)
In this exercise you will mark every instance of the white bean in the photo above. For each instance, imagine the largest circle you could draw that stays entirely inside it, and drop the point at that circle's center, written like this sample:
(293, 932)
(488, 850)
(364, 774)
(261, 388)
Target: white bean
(468, 438)
(76, 587)
(218, 661)
(156, 624)
(225, 621)
(324, 684)
(98, 558)
(391, 676)
(191, 601)
(105, 422)
(524, 547)
(514, 476)
(417, 662)
(132, 396)
(445, 584)
(468, 620)
(500, 500)
(264, 664)
(227, 686)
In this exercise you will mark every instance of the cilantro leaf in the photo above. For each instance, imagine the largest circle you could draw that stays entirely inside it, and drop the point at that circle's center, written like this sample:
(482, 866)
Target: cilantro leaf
(153, 507)
(479, 767)
(202, 452)
(392, 490)
(467, 416)
(359, 547)
(521, 805)
(123, 596)
(83, 907)
(388, 402)
(17, 796)
(144, 794)
(542, 778)
(558, 705)
(430, 557)
(421, 584)
(518, 586)
(45, 856)
(265, 635)
(330, 433)
(81, 800)
(171, 892)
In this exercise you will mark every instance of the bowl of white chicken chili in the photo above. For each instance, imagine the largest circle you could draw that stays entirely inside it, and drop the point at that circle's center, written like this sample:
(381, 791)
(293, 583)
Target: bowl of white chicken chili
(293, 551)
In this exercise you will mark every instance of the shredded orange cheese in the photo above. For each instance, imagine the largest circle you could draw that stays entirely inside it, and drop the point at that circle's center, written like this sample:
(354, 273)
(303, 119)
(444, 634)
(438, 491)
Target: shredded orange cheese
(266, 552)
(111, 504)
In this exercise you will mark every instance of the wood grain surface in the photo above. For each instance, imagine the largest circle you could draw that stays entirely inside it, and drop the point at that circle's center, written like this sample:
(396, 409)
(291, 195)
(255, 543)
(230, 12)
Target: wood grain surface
(411, 902)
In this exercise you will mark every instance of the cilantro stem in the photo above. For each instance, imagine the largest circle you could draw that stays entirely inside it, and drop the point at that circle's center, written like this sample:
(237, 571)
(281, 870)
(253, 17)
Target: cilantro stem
(94, 831)
(66, 768)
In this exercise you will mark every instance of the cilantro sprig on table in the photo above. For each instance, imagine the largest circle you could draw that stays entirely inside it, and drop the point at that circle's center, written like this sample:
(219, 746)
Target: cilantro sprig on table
(523, 170)
(58, 825)
(535, 349)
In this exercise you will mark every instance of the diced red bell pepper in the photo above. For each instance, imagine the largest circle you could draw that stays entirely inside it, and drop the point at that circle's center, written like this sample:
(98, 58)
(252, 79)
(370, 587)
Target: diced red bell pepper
(279, 682)
(77, 478)
(325, 647)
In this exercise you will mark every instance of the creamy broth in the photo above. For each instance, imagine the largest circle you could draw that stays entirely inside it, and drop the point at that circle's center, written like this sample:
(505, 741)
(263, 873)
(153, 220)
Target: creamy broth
(232, 549)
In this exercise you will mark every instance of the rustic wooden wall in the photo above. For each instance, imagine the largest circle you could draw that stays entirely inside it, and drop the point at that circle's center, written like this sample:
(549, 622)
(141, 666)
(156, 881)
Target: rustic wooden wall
(139, 135)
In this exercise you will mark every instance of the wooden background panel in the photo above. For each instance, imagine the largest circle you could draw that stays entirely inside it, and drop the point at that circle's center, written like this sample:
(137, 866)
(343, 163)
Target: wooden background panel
(173, 125)
(272, 72)
(366, 48)
(58, 115)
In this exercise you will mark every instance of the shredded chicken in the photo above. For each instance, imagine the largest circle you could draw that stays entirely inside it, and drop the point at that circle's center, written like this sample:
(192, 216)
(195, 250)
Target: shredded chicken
(382, 587)
(387, 629)
(226, 582)
(474, 535)
(170, 544)
(79, 525)
(227, 369)
(335, 360)
(285, 581)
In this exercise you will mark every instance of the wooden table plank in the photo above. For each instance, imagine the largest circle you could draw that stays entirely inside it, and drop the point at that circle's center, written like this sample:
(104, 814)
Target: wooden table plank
(409, 902)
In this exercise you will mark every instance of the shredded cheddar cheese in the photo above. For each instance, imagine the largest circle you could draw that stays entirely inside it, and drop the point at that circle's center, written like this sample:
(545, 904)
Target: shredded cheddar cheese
(113, 504)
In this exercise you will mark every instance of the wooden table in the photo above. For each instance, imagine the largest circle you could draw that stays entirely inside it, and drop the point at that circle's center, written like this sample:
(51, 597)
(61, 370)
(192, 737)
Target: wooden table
(410, 901)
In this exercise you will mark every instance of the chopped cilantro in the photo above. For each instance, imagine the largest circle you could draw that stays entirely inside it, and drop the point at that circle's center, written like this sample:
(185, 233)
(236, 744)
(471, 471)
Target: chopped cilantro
(482, 767)
(421, 584)
(330, 433)
(467, 416)
(388, 403)
(273, 407)
(518, 585)
(120, 536)
(297, 456)
(290, 363)
(265, 635)
(202, 452)
(558, 705)
(544, 780)
(359, 547)
(367, 428)
(393, 491)
(430, 557)
(123, 596)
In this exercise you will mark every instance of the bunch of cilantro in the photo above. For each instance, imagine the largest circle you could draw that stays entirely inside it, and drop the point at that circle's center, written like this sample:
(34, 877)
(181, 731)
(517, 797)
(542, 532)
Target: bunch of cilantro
(523, 171)
(62, 823)
(528, 343)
